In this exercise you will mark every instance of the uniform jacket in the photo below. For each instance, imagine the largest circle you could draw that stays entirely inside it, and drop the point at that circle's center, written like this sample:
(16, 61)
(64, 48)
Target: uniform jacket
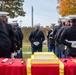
(40, 38)
(50, 36)
(5, 43)
(11, 36)
(70, 35)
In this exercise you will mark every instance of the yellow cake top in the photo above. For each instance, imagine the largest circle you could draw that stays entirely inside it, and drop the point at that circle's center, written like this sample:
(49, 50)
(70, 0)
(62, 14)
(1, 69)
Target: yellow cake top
(41, 58)
(44, 53)
(44, 61)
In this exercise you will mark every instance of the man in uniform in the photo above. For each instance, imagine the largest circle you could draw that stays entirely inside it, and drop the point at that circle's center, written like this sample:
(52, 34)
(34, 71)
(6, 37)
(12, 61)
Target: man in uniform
(65, 24)
(10, 32)
(50, 40)
(20, 34)
(36, 38)
(54, 34)
(6, 42)
(17, 44)
(68, 37)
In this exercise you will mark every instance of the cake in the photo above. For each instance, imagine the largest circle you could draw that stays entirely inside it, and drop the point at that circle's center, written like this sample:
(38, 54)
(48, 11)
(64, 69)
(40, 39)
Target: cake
(44, 55)
(44, 58)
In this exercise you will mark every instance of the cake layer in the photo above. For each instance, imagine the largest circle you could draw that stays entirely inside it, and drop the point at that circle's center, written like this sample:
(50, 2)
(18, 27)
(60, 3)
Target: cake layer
(44, 55)
(44, 61)
(40, 53)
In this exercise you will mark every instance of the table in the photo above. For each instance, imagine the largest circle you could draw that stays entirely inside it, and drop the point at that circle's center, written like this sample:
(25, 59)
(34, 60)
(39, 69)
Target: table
(20, 69)
(69, 66)
(14, 69)
(42, 69)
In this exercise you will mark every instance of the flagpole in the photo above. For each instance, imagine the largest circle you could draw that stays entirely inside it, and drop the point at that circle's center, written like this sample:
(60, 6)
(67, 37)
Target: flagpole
(32, 16)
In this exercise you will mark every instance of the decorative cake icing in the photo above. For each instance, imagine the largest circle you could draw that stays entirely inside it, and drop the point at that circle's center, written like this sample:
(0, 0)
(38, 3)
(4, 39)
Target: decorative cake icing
(44, 61)
(44, 58)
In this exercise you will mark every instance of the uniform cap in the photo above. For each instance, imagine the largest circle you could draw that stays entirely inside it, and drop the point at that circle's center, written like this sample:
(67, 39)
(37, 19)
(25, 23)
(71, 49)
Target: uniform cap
(4, 13)
(13, 24)
(37, 25)
(72, 16)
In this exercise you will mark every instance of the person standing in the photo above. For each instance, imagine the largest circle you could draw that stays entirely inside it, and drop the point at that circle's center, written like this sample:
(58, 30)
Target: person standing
(5, 42)
(36, 38)
(20, 34)
(50, 40)
(17, 44)
(68, 38)
(10, 32)
(56, 28)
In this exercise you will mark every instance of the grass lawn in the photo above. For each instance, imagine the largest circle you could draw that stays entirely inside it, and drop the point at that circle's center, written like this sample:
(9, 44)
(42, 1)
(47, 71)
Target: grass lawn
(28, 49)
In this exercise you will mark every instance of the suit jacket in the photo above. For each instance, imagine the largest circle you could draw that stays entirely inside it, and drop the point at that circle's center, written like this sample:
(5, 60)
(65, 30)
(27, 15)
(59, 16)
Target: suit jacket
(5, 43)
(36, 35)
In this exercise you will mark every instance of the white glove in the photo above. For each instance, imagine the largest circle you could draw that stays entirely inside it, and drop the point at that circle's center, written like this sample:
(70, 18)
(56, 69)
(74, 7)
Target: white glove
(20, 48)
(73, 45)
(18, 51)
(65, 47)
(12, 55)
(36, 43)
(15, 53)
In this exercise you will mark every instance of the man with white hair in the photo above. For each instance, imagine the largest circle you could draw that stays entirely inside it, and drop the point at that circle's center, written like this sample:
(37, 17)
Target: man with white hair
(36, 38)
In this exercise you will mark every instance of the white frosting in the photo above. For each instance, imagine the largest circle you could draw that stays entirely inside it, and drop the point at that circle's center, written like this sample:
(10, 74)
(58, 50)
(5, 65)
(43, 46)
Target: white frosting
(44, 56)
(45, 61)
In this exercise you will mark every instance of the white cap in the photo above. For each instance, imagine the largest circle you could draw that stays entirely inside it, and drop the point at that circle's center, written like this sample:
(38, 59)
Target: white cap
(12, 23)
(37, 25)
(3, 13)
(70, 17)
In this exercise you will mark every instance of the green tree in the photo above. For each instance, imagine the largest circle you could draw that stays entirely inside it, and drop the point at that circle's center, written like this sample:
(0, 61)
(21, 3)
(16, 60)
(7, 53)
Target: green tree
(13, 7)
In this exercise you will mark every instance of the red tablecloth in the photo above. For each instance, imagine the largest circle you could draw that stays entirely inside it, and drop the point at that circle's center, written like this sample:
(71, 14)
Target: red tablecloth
(45, 69)
(14, 69)
(69, 68)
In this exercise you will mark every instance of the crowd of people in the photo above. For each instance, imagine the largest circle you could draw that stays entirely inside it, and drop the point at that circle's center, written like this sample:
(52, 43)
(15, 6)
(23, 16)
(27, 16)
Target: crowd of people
(10, 38)
(61, 39)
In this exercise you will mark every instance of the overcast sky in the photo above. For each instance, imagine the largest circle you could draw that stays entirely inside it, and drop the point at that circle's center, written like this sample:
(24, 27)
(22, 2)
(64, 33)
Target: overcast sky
(45, 12)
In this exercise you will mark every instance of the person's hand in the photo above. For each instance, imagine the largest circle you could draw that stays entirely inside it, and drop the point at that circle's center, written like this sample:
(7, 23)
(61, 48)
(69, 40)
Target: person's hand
(15, 53)
(18, 51)
(36, 43)
(73, 45)
(12, 55)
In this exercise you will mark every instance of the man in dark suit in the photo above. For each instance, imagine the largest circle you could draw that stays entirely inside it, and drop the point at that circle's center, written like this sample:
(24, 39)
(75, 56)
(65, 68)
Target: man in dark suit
(10, 32)
(68, 37)
(20, 34)
(50, 40)
(5, 43)
(36, 38)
